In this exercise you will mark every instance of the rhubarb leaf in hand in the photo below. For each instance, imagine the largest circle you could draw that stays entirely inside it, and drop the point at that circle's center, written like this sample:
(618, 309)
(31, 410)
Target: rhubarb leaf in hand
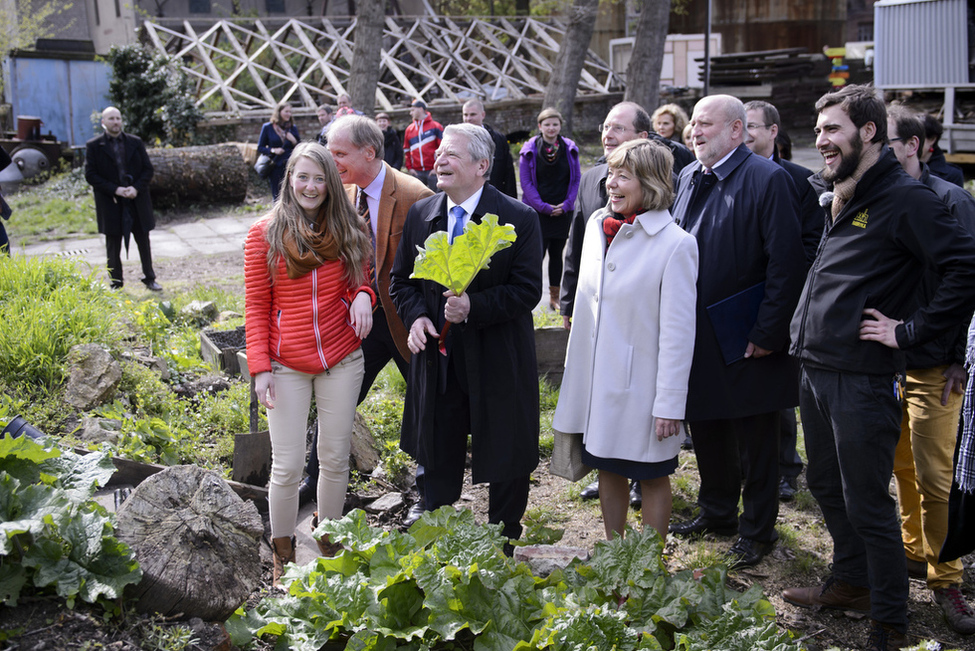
(455, 265)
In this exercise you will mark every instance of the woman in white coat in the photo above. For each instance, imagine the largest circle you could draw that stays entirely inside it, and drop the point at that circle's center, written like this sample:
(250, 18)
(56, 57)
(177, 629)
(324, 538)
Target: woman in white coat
(632, 337)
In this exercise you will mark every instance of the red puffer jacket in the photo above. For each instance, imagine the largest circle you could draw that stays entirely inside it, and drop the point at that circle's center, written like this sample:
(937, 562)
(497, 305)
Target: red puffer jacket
(301, 323)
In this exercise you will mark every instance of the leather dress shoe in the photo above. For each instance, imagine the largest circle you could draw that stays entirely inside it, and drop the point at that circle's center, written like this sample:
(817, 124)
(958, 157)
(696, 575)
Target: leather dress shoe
(636, 495)
(787, 489)
(413, 515)
(153, 286)
(590, 492)
(886, 638)
(832, 594)
(747, 552)
(701, 525)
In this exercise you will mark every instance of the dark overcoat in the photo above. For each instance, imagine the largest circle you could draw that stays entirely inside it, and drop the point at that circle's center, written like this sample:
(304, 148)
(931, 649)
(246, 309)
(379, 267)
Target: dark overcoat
(812, 219)
(748, 232)
(498, 342)
(102, 174)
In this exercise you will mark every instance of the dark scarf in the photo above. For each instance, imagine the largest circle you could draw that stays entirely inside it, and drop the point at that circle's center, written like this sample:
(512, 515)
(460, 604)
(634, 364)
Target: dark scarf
(307, 249)
(613, 224)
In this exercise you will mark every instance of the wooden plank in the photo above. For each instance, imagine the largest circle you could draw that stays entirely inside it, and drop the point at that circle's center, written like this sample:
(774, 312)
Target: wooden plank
(132, 473)
(211, 69)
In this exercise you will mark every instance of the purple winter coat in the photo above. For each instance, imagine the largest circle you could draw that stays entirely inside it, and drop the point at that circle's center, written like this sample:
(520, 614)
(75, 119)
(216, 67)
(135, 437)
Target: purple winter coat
(529, 186)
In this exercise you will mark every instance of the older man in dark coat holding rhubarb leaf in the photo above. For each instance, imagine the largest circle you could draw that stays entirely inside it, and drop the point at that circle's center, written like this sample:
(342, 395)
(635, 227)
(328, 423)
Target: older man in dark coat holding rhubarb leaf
(743, 211)
(485, 383)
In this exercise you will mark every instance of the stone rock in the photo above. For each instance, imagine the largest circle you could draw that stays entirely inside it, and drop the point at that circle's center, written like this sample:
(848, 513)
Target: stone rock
(197, 542)
(545, 559)
(201, 312)
(364, 453)
(227, 315)
(99, 430)
(93, 376)
(386, 503)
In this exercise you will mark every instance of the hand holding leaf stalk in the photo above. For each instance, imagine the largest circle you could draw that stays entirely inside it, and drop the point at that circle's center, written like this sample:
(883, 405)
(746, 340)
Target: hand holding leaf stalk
(455, 265)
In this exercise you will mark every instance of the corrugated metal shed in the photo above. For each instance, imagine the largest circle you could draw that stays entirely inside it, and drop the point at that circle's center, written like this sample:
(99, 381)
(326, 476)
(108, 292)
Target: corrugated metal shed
(920, 43)
(62, 92)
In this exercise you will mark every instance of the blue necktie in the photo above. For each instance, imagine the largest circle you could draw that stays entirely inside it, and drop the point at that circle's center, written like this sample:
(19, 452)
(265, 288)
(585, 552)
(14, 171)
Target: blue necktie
(458, 229)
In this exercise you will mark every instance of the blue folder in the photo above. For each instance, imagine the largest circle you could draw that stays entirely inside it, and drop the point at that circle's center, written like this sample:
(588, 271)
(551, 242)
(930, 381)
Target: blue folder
(733, 318)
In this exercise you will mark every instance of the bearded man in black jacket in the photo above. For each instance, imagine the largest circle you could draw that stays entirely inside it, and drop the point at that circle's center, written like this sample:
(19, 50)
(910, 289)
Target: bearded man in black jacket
(857, 311)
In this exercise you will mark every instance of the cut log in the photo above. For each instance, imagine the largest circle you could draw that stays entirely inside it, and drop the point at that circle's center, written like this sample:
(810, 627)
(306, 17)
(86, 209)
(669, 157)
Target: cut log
(207, 174)
(198, 544)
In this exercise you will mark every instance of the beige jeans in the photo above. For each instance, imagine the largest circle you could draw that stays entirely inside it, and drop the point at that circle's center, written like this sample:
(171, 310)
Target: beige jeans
(336, 391)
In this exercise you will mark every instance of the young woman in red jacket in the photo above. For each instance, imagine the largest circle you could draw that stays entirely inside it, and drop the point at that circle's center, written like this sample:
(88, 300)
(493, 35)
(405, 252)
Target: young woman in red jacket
(309, 305)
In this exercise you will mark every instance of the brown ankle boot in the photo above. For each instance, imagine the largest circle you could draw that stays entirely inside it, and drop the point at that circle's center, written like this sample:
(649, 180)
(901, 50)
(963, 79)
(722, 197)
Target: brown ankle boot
(553, 297)
(325, 546)
(284, 552)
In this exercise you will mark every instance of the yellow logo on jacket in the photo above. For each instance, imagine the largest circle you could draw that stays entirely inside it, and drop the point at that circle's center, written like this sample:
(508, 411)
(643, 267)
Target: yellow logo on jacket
(861, 219)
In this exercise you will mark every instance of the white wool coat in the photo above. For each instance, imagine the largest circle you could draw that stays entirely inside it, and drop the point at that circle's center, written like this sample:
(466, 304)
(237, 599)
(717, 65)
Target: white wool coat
(632, 338)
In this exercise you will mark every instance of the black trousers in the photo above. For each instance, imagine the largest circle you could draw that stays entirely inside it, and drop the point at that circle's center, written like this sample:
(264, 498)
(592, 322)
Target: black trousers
(442, 485)
(790, 463)
(729, 450)
(377, 350)
(113, 244)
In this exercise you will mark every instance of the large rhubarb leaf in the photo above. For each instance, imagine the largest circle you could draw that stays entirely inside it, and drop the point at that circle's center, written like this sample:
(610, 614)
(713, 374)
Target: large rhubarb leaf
(455, 265)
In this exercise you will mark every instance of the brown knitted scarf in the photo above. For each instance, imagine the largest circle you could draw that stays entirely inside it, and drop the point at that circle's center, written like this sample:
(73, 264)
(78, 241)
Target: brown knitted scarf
(307, 249)
(843, 190)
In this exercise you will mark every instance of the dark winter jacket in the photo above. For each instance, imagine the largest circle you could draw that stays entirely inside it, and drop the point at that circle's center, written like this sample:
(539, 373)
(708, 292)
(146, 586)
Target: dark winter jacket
(948, 347)
(873, 256)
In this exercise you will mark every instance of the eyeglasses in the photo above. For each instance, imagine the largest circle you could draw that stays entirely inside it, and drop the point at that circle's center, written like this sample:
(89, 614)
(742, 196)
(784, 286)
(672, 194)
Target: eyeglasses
(615, 128)
(895, 139)
(753, 127)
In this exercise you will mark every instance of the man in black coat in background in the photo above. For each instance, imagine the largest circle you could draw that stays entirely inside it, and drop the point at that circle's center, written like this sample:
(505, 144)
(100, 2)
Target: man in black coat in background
(742, 208)
(118, 169)
(503, 168)
(763, 128)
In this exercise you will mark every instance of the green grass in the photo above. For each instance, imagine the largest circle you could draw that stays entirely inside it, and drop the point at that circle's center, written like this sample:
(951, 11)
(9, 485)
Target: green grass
(61, 207)
(47, 306)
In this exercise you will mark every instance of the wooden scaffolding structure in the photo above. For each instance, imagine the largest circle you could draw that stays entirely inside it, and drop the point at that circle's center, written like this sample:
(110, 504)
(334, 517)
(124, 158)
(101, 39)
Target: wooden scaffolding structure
(239, 66)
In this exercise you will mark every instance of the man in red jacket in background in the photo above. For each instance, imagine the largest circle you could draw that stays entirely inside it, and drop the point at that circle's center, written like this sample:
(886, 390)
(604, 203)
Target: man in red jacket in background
(420, 144)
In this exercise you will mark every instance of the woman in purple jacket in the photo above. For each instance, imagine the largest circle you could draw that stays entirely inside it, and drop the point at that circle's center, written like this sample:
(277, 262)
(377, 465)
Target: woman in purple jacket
(549, 183)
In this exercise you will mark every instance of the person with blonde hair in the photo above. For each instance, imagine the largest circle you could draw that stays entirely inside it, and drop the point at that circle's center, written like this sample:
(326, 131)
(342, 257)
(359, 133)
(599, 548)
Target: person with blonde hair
(309, 305)
(669, 121)
(630, 348)
(278, 138)
(550, 174)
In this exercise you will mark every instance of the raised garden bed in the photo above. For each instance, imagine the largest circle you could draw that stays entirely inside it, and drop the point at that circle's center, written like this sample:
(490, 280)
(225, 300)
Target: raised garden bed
(220, 347)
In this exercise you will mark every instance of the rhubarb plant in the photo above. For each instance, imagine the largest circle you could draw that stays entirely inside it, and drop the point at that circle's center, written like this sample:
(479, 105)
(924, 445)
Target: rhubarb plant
(53, 535)
(447, 584)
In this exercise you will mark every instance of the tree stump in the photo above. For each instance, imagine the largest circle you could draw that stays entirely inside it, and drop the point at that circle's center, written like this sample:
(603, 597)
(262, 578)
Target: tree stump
(197, 542)
(207, 174)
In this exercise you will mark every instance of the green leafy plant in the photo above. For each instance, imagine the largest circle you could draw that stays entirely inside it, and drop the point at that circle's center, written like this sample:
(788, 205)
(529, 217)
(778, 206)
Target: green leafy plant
(455, 265)
(53, 535)
(447, 584)
(154, 95)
